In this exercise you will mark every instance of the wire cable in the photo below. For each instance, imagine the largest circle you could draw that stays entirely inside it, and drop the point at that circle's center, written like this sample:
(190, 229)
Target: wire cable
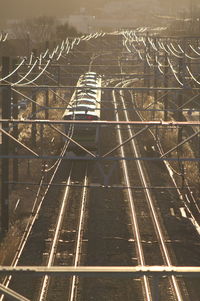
(144, 42)
(179, 46)
(5, 37)
(175, 49)
(152, 44)
(19, 81)
(45, 54)
(198, 53)
(160, 65)
(176, 55)
(192, 76)
(160, 45)
(190, 57)
(34, 79)
(165, 48)
(61, 51)
(125, 43)
(31, 58)
(148, 58)
(174, 72)
(10, 74)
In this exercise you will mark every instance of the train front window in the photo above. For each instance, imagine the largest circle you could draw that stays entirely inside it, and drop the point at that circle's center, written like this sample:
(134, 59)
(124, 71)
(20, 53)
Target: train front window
(81, 108)
(86, 117)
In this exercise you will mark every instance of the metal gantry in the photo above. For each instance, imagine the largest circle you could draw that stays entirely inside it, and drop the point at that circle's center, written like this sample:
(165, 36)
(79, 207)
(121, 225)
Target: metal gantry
(155, 272)
(164, 62)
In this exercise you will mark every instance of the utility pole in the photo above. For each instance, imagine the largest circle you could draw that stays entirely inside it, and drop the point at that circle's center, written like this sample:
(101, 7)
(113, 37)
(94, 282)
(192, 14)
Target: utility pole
(46, 111)
(180, 118)
(6, 113)
(192, 10)
(155, 67)
(166, 101)
(15, 113)
(146, 68)
(155, 82)
(33, 128)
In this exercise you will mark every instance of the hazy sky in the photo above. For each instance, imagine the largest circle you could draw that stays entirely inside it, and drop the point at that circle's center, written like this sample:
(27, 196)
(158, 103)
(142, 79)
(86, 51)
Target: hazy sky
(31, 8)
(14, 9)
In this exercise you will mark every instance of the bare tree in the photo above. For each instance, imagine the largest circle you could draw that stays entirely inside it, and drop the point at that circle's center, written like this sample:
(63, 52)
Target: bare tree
(39, 29)
(65, 30)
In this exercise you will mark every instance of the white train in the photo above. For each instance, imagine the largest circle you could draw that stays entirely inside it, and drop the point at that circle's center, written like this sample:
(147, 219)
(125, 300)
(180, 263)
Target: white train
(85, 104)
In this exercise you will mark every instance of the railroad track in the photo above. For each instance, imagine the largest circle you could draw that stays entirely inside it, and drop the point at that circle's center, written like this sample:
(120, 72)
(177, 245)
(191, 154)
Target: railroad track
(55, 237)
(67, 241)
(147, 240)
(152, 211)
(101, 214)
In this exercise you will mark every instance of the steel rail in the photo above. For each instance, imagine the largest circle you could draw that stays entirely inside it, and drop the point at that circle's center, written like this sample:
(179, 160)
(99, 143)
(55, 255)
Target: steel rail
(136, 231)
(73, 285)
(29, 228)
(184, 197)
(52, 253)
(153, 211)
(77, 258)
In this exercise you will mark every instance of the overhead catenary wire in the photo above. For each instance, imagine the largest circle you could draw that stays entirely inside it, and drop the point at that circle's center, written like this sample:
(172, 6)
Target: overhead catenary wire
(35, 78)
(25, 96)
(45, 53)
(15, 70)
(138, 51)
(31, 58)
(160, 45)
(172, 45)
(133, 40)
(179, 46)
(144, 42)
(174, 72)
(191, 57)
(25, 76)
(187, 55)
(3, 37)
(198, 53)
(152, 44)
(176, 55)
(125, 43)
(192, 76)
(148, 58)
(164, 48)
(61, 51)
